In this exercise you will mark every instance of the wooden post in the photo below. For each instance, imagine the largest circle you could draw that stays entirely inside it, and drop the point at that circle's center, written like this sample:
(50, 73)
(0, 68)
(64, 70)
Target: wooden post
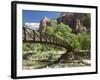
(40, 37)
(33, 35)
(24, 33)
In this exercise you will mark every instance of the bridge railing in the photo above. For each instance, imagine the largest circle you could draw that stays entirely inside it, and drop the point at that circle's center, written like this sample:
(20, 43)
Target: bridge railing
(30, 35)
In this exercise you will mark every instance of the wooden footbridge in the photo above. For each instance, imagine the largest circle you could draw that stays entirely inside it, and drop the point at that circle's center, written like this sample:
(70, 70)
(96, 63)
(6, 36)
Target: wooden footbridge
(32, 36)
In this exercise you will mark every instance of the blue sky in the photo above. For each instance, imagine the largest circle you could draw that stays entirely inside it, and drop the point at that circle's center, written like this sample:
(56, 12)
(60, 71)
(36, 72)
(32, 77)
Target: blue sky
(36, 16)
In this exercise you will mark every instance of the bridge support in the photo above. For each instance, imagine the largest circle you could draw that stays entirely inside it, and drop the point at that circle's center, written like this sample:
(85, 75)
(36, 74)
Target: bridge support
(66, 57)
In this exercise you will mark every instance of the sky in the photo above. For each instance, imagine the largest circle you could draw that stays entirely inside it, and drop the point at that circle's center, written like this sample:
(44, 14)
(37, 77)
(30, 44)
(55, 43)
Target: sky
(32, 16)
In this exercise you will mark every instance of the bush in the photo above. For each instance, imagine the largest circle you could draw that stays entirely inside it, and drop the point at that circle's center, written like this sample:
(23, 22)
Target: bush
(84, 40)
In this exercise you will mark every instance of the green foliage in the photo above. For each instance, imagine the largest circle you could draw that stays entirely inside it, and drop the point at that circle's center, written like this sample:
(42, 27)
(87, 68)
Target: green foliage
(64, 28)
(85, 40)
(86, 20)
(50, 30)
(72, 39)
(26, 47)
(38, 48)
(64, 32)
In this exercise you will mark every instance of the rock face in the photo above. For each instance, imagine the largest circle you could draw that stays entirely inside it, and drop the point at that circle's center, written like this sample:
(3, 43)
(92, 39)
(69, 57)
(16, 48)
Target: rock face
(33, 26)
(79, 27)
(77, 21)
(43, 24)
